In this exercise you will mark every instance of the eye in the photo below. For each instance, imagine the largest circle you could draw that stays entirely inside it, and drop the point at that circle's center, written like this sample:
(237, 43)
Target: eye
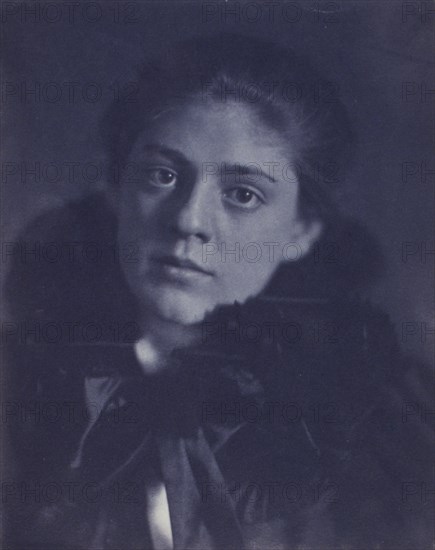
(243, 197)
(162, 177)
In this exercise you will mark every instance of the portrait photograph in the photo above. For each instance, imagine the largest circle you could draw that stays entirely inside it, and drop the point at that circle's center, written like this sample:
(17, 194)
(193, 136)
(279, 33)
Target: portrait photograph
(217, 275)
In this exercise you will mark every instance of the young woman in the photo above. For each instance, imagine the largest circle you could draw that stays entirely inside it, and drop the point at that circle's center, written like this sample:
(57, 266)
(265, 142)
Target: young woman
(237, 393)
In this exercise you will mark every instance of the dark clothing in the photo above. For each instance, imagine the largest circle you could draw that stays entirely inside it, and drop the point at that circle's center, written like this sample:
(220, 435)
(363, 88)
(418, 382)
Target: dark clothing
(284, 429)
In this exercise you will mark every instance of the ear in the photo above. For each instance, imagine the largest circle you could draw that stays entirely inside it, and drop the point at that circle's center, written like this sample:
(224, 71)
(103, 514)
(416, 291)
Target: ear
(305, 235)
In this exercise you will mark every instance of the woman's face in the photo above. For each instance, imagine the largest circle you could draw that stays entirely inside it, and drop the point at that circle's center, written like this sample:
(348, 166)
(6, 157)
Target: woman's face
(209, 201)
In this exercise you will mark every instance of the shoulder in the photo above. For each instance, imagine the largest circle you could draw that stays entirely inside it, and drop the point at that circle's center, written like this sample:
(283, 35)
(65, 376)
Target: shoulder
(339, 384)
(75, 218)
(336, 365)
(62, 322)
(58, 237)
(60, 262)
(309, 337)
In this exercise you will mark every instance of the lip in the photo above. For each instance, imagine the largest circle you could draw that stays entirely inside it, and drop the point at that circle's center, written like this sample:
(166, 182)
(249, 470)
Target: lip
(182, 264)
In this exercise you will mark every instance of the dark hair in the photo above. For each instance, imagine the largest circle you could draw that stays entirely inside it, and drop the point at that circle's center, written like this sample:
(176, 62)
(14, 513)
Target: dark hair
(290, 96)
(285, 90)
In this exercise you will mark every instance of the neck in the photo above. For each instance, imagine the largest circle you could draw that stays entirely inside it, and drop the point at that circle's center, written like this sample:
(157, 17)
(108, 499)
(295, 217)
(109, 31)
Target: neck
(160, 337)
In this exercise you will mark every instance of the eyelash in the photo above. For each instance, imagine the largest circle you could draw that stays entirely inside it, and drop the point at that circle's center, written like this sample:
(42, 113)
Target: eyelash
(154, 170)
(240, 205)
(226, 194)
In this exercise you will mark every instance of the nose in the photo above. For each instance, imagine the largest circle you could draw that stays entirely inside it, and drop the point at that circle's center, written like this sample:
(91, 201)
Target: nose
(193, 216)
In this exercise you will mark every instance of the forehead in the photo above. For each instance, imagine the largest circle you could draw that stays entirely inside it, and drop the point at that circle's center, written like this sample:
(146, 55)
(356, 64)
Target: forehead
(230, 132)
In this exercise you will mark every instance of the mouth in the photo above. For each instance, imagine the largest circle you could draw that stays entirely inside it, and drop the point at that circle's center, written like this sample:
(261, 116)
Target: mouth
(175, 265)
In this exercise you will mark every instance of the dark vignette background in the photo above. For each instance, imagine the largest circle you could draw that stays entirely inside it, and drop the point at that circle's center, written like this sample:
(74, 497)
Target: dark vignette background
(379, 52)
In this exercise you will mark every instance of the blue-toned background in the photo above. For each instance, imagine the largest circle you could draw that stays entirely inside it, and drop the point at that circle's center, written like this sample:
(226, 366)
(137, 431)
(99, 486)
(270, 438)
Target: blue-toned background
(378, 52)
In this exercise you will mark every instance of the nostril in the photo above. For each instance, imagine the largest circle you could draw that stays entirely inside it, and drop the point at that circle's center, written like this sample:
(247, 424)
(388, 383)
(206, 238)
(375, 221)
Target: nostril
(186, 233)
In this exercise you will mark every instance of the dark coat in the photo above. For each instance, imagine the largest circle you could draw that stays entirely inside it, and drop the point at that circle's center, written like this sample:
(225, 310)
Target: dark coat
(291, 426)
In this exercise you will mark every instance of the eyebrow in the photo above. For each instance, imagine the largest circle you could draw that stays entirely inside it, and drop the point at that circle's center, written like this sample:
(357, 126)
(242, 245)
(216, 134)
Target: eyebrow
(174, 154)
(251, 169)
(248, 169)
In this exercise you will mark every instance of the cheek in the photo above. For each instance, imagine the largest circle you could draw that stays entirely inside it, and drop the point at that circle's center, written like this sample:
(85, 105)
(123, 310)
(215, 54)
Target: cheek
(252, 253)
(246, 271)
(258, 244)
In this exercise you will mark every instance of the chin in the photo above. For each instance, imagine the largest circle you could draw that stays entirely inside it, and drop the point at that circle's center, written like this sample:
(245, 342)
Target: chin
(177, 307)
